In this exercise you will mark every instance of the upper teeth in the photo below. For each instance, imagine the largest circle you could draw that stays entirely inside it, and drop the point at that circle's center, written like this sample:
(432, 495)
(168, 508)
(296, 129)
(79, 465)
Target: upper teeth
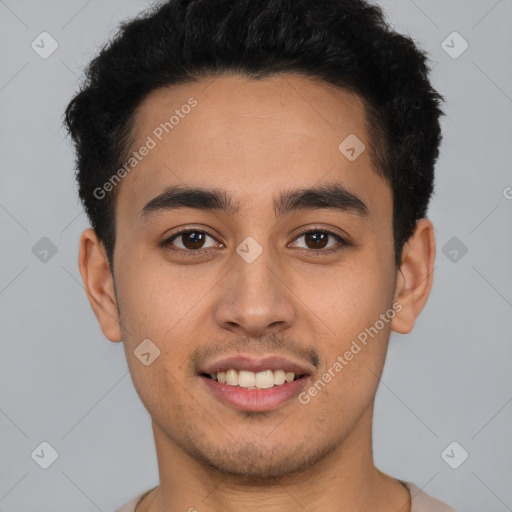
(260, 380)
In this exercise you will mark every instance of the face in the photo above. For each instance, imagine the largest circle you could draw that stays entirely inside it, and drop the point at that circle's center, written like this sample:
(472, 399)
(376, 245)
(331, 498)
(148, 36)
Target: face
(261, 271)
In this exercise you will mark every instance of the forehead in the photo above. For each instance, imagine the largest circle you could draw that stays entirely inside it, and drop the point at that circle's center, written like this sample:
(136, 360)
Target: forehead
(254, 138)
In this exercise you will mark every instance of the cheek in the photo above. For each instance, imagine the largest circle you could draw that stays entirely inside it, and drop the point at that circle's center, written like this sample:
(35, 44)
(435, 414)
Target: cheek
(161, 306)
(156, 299)
(345, 299)
(348, 308)
(346, 383)
(158, 389)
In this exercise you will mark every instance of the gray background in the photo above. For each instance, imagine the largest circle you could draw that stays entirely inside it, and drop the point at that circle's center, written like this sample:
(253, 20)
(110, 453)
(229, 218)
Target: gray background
(62, 382)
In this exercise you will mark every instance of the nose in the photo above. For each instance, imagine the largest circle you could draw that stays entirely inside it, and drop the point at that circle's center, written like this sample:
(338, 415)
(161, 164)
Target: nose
(255, 300)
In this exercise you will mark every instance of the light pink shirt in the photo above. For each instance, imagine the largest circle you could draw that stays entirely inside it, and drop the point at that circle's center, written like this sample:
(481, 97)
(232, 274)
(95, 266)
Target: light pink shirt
(421, 502)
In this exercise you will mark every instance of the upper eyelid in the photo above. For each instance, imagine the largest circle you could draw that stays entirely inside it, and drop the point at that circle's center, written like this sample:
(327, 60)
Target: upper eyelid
(340, 239)
(186, 231)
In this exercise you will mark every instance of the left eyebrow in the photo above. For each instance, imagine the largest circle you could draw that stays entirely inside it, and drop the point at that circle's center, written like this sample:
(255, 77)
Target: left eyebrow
(330, 197)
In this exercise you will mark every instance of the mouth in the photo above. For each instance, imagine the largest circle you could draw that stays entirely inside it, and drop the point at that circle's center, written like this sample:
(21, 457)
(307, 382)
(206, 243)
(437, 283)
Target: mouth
(246, 379)
(255, 385)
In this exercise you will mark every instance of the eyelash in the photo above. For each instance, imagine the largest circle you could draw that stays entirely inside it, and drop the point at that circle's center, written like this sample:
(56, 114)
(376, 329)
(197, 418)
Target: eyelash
(201, 252)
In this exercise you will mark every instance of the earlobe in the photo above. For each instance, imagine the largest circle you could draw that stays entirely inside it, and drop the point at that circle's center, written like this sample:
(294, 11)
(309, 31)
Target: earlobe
(99, 285)
(415, 276)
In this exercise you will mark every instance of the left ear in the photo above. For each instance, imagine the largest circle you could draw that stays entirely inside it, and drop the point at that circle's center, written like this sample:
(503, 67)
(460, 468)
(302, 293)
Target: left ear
(415, 276)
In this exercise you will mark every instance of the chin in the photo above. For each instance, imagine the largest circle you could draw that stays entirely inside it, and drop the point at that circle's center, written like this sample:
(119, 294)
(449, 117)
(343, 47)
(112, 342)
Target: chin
(253, 462)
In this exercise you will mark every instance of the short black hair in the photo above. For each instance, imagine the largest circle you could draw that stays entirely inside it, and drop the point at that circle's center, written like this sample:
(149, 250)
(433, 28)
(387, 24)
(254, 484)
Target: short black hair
(347, 43)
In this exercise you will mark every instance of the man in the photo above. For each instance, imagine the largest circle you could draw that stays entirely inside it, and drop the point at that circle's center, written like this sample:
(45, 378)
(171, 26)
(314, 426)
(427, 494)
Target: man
(257, 175)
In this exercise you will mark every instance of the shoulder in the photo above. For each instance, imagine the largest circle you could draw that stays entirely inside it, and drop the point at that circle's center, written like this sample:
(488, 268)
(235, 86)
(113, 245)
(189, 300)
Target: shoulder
(422, 502)
(130, 506)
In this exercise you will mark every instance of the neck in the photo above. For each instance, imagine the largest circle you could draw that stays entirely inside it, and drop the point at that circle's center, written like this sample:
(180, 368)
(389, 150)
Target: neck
(345, 479)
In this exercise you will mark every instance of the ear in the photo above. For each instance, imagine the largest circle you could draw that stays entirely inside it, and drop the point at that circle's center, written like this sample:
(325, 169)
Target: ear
(415, 276)
(99, 284)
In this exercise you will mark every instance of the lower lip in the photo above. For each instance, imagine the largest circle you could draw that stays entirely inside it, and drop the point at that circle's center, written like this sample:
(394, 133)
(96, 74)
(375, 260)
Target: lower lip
(256, 399)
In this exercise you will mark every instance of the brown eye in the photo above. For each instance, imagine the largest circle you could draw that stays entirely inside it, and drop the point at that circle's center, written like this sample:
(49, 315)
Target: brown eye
(318, 240)
(193, 239)
(189, 241)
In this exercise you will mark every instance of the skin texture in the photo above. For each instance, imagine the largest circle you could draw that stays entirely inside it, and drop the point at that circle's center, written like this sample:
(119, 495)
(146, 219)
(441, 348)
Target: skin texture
(255, 140)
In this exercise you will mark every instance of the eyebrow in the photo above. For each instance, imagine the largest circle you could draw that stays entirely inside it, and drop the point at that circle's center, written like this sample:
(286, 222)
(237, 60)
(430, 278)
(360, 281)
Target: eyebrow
(330, 197)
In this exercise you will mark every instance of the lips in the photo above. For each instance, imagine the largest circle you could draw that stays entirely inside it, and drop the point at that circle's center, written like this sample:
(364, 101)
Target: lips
(256, 365)
(249, 396)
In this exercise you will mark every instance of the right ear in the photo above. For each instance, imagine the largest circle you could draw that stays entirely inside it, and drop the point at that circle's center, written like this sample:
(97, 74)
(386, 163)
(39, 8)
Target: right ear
(99, 284)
